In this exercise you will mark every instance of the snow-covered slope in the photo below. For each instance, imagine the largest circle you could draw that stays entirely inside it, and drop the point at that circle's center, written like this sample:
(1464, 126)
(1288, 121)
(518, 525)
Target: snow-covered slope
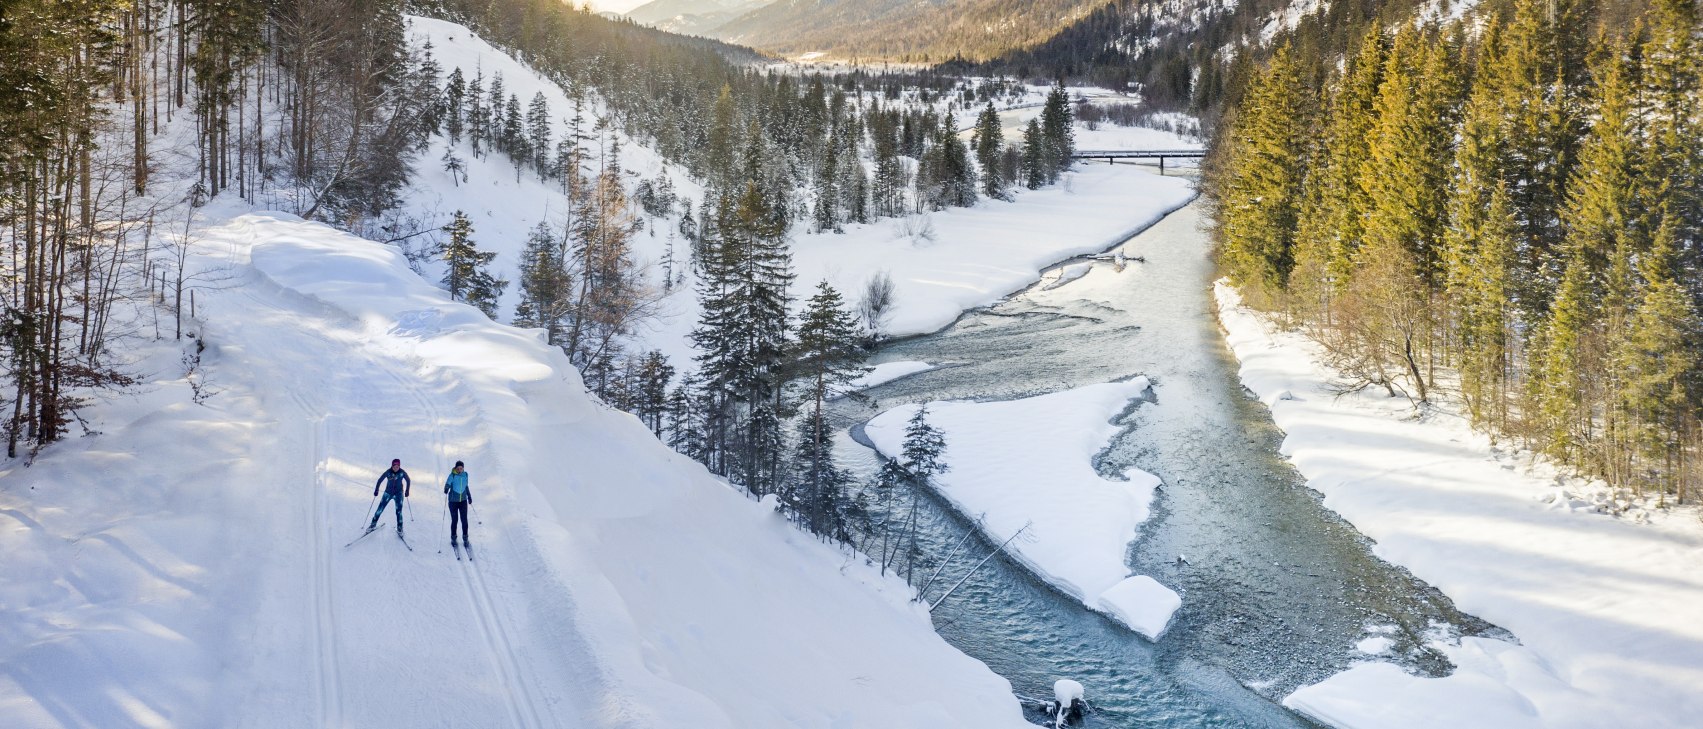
(968, 257)
(187, 568)
(1606, 609)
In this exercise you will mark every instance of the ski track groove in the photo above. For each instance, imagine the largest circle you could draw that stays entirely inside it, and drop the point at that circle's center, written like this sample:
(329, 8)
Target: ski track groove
(501, 650)
(497, 643)
(330, 700)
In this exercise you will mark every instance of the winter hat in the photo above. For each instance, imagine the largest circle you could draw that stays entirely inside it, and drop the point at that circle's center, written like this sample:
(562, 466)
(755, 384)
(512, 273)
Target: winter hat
(395, 461)
(459, 464)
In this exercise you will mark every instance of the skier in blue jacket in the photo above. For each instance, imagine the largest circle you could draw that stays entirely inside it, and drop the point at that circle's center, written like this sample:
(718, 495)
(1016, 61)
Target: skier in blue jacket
(460, 497)
(397, 486)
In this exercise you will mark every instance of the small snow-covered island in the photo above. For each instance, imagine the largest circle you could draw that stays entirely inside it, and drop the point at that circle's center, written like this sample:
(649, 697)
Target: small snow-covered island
(855, 364)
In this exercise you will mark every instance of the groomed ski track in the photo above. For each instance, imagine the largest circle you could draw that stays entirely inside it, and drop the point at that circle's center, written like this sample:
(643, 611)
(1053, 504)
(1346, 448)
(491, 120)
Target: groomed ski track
(398, 638)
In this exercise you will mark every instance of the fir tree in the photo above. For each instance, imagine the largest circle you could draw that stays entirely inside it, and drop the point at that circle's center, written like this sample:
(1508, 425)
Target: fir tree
(826, 358)
(538, 132)
(1057, 131)
(989, 141)
(546, 290)
(455, 98)
(468, 275)
(649, 398)
(1259, 198)
(1034, 156)
(745, 271)
(1656, 363)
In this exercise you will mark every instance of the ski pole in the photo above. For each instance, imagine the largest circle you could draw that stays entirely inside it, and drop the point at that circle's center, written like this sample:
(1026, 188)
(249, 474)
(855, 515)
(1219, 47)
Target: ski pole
(410, 508)
(370, 505)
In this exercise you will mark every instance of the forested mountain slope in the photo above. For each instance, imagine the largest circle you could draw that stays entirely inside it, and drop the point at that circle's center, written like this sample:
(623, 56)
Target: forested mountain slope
(920, 32)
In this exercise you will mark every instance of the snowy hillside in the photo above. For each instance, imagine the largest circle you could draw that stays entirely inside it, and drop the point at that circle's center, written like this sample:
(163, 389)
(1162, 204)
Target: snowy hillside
(185, 564)
(188, 565)
(940, 263)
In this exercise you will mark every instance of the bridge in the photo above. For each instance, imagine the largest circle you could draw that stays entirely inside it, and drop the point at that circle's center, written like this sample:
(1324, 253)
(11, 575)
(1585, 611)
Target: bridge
(1111, 156)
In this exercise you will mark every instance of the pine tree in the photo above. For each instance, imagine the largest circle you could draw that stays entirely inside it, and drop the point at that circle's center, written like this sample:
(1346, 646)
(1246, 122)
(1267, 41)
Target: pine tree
(455, 98)
(1657, 365)
(1034, 156)
(827, 193)
(989, 141)
(649, 390)
(1600, 218)
(468, 276)
(1058, 132)
(538, 132)
(1260, 188)
(546, 290)
(1329, 228)
(745, 271)
(825, 359)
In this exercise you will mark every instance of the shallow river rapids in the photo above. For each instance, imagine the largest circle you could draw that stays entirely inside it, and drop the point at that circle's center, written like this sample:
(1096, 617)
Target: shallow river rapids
(1277, 590)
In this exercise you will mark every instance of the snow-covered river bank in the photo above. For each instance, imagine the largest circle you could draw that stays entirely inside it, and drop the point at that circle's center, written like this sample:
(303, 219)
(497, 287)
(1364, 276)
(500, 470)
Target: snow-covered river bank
(1277, 591)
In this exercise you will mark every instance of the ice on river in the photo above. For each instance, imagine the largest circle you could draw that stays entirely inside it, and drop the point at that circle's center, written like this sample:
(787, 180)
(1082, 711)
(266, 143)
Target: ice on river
(1030, 462)
(1606, 609)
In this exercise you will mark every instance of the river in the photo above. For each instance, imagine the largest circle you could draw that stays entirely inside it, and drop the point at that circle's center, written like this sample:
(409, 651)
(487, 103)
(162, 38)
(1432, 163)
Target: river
(1277, 590)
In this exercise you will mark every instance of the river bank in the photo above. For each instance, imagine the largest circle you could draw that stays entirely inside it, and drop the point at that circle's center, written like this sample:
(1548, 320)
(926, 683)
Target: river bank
(1277, 591)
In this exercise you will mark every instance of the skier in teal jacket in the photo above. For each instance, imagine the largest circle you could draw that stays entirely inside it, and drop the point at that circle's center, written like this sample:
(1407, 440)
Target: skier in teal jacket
(460, 497)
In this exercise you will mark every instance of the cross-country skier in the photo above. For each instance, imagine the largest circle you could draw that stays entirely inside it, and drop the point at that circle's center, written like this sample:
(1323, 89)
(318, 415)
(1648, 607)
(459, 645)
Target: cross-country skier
(397, 486)
(460, 497)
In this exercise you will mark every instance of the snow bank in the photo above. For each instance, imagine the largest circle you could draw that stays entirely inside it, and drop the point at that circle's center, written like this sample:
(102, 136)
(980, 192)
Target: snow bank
(886, 372)
(1030, 463)
(1606, 610)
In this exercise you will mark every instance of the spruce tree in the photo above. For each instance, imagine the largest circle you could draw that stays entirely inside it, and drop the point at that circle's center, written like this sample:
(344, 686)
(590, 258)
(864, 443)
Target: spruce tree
(989, 141)
(538, 133)
(1600, 219)
(745, 271)
(455, 98)
(827, 192)
(546, 290)
(1034, 162)
(1329, 228)
(468, 275)
(1057, 131)
(649, 398)
(826, 357)
(1657, 364)
(1259, 190)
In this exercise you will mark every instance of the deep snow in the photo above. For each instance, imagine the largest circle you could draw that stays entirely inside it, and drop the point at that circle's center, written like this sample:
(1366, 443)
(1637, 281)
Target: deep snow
(187, 567)
(1606, 609)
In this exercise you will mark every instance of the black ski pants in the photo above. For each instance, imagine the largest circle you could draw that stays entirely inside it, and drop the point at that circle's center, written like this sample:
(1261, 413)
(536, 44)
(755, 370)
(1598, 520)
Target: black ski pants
(458, 513)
